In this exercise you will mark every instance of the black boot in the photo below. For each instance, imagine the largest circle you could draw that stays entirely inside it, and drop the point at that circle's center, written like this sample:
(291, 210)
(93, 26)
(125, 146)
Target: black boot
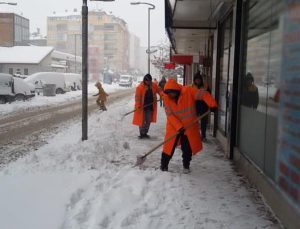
(165, 159)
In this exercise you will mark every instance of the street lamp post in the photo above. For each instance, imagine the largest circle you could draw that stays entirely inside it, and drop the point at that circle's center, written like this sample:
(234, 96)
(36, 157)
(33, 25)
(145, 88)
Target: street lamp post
(85, 67)
(152, 7)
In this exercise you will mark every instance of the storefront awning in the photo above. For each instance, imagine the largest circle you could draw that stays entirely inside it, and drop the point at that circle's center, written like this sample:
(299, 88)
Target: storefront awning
(189, 23)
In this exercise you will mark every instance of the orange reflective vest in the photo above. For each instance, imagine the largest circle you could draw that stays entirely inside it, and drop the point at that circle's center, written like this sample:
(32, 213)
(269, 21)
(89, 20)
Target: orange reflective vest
(140, 92)
(182, 114)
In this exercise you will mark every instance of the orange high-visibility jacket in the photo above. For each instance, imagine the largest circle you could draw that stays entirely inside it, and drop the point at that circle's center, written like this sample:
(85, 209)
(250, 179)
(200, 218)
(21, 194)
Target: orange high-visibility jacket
(183, 113)
(140, 92)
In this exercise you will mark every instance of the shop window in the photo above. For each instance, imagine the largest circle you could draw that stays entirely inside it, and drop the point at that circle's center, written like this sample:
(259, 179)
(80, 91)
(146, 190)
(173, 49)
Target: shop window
(259, 82)
(225, 79)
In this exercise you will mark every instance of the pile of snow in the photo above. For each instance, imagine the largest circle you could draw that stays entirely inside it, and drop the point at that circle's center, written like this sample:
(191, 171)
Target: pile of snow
(40, 101)
(92, 184)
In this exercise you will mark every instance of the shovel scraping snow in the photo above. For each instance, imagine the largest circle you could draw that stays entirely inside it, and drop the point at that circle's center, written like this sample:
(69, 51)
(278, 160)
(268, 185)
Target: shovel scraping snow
(141, 159)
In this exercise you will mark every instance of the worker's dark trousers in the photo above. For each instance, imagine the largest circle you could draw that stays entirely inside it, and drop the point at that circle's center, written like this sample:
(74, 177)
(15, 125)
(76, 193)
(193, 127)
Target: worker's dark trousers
(204, 122)
(146, 122)
(186, 155)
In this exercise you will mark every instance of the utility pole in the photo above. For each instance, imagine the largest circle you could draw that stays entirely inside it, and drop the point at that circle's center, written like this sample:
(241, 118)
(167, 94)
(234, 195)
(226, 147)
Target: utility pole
(85, 67)
(152, 7)
(84, 70)
(75, 54)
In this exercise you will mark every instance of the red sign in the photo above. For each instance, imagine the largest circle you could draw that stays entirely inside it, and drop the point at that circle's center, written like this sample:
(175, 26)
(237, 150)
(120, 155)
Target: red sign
(169, 66)
(182, 59)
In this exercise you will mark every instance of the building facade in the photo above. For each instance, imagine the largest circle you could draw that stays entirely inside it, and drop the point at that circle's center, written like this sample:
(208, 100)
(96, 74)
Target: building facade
(134, 51)
(14, 30)
(108, 39)
(249, 52)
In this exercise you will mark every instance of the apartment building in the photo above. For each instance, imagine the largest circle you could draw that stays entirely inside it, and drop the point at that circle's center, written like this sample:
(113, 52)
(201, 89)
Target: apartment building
(108, 39)
(134, 51)
(14, 30)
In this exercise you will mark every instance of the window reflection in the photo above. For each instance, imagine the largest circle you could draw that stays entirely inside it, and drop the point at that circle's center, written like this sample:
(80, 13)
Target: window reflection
(260, 81)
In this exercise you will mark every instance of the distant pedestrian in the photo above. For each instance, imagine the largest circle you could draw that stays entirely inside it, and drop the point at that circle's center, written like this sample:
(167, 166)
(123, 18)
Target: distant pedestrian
(161, 85)
(181, 106)
(102, 97)
(145, 105)
(198, 82)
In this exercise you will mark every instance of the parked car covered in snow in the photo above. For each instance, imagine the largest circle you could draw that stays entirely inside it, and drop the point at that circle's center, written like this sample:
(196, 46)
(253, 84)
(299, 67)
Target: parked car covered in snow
(13, 88)
(41, 78)
(23, 90)
(73, 81)
(126, 81)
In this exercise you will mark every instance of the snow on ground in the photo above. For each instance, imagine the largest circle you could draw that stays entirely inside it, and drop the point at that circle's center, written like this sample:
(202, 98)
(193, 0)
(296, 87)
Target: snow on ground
(72, 184)
(40, 101)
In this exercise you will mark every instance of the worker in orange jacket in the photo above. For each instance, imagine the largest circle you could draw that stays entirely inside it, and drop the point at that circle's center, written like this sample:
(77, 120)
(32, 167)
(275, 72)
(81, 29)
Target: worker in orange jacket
(182, 106)
(145, 105)
(199, 83)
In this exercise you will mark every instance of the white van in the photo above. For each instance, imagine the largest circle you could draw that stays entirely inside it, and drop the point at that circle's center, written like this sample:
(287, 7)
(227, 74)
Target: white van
(12, 88)
(73, 81)
(41, 78)
(126, 81)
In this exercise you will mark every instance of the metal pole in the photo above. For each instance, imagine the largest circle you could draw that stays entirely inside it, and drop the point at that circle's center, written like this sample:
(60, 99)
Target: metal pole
(84, 69)
(75, 52)
(149, 40)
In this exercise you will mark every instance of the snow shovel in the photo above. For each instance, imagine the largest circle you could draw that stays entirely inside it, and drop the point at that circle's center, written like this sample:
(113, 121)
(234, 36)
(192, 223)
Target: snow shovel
(124, 115)
(141, 159)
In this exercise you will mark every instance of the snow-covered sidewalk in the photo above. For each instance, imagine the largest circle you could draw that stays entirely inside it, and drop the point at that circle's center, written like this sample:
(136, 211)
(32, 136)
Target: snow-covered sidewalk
(88, 185)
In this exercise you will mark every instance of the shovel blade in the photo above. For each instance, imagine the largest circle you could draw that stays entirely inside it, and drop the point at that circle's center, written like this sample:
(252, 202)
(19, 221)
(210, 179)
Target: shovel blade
(140, 160)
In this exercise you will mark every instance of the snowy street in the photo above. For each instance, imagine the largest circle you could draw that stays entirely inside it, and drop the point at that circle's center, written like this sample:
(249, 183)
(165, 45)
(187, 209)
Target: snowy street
(67, 183)
(22, 131)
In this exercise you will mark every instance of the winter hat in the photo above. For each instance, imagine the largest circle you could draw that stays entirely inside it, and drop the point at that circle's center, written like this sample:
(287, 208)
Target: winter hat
(171, 86)
(198, 76)
(98, 84)
(147, 77)
(249, 77)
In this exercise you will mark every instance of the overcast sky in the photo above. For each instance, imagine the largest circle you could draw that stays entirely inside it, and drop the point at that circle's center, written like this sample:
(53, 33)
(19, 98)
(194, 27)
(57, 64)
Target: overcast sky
(136, 16)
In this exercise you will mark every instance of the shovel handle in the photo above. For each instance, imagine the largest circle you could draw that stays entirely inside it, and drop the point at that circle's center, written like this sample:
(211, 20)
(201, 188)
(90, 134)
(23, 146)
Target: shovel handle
(174, 135)
(137, 109)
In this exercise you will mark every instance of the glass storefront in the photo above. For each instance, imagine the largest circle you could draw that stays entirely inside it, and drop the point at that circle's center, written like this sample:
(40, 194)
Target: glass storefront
(225, 79)
(262, 51)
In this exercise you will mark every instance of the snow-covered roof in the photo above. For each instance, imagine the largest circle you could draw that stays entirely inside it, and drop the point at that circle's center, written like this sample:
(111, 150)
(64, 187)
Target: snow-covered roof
(24, 54)
(66, 56)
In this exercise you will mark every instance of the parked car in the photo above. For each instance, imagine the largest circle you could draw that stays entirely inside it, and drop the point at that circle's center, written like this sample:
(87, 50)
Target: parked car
(73, 81)
(41, 78)
(125, 81)
(23, 90)
(12, 88)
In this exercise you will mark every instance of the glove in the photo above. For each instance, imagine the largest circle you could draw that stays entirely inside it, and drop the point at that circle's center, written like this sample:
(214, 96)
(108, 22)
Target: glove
(201, 107)
(181, 131)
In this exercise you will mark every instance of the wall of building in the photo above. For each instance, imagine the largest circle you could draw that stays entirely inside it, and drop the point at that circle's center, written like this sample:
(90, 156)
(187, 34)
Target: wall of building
(21, 30)
(107, 33)
(6, 29)
(43, 66)
(14, 29)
